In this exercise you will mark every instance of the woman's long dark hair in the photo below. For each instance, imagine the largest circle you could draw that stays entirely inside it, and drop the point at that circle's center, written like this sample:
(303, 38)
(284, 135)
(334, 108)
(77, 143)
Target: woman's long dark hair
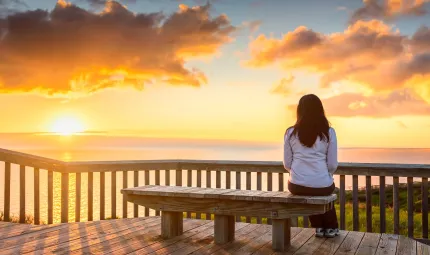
(311, 121)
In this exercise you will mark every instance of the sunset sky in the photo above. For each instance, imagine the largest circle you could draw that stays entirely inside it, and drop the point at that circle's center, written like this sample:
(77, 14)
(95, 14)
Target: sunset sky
(231, 70)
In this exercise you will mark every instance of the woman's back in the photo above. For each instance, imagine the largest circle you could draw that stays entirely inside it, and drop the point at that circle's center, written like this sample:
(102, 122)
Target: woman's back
(310, 166)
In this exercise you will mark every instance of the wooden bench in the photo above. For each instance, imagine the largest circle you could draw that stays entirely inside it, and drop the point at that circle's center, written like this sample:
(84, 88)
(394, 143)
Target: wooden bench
(225, 204)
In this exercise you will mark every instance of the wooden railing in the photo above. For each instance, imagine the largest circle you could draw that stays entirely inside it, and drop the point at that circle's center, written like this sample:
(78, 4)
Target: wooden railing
(218, 174)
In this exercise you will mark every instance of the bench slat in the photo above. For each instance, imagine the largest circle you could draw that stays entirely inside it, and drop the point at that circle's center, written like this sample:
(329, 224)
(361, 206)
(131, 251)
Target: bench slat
(228, 194)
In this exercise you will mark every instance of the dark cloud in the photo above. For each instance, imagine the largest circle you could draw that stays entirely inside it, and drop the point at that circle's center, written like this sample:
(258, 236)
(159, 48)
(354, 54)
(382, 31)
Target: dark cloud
(420, 41)
(73, 49)
(389, 9)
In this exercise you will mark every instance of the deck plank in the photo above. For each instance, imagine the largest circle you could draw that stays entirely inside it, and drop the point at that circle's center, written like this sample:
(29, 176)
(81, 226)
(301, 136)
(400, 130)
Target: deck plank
(331, 245)
(193, 244)
(142, 236)
(239, 236)
(171, 245)
(423, 249)
(387, 244)
(406, 245)
(236, 245)
(297, 242)
(351, 243)
(310, 246)
(143, 244)
(81, 235)
(369, 244)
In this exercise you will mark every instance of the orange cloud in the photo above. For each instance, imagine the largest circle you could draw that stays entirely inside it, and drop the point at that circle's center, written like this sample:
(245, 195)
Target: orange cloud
(389, 9)
(284, 86)
(73, 49)
(370, 53)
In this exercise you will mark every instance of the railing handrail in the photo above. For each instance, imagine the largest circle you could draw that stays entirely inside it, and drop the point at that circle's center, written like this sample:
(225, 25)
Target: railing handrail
(369, 169)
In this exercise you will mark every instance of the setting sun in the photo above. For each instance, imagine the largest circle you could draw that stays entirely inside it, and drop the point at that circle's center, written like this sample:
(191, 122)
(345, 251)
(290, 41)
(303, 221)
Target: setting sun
(67, 126)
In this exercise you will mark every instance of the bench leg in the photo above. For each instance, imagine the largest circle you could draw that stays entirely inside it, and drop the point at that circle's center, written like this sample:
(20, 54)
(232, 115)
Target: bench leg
(281, 234)
(171, 224)
(224, 228)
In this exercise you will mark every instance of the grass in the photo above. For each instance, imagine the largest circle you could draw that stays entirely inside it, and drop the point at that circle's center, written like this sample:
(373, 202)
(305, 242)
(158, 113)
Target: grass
(29, 219)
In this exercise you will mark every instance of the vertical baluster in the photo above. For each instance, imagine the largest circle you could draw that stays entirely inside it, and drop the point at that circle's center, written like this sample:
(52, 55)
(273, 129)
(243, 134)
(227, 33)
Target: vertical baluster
(157, 182)
(281, 182)
(269, 188)
(22, 194)
(135, 184)
(424, 207)
(189, 184)
(146, 183)
(64, 197)
(102, 195)
(208, 184)
(238, 186)
(410, 207)
(259, 187)
(199, 184)
(368, 203)
(7, 191)
(179, 175)
(355, 221)
(342, 201)
(113, 195)
(124, 199)
(218, 179)
(396, 205)
(90, 195)
(382, 203)
(36, 196)
(248, 187)
(167, 177)
(50, 197)
(228, 180)
(78, 198)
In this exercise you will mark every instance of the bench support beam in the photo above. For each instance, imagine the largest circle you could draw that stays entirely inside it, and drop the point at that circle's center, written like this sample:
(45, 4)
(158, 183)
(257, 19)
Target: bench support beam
(224, 228)
(171, 224)
(281, 234)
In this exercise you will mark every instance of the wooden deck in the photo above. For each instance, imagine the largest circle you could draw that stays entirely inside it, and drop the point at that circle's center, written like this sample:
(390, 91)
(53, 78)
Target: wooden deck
(142, 236)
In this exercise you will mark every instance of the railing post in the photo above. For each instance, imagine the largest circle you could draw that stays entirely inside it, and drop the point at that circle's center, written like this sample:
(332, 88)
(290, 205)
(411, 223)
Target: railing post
(136, 184)
(22, 194)
(90, 195)
(113, 194)
(396, 205)
(424, 207)
(64, 197)
(368, 203)
(146, 183)
(36, 197)
(382, 203)
(124, 198)
(50, 196)
(78, 198)
(355, 203)
(410, 207)
(7, 192)
(102, 195)
(342, 201)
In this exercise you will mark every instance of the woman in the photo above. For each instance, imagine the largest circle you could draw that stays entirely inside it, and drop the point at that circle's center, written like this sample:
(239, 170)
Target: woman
(310, 155)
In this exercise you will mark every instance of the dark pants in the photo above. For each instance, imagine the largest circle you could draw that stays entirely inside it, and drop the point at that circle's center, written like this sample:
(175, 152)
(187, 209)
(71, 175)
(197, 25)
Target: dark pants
(326, 220)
